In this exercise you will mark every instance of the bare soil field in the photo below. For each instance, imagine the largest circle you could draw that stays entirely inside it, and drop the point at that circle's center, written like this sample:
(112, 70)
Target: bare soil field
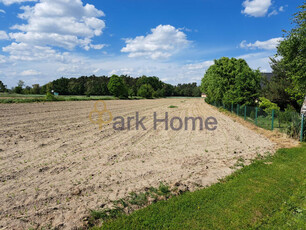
(55, 165)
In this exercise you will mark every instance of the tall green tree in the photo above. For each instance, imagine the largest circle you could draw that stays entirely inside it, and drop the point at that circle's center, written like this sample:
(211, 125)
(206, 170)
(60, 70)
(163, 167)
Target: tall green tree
(231, 81)
(275, 89)
(167, 90)
(292, 51)
(2, 87)
(91, 86)
(131, 84)
(196, 92)
(153, 81)
(35, 89)
(74, 87)
(61, 86)
(117, 87)
(19, 88)
(187, 90)
(146, 91)
(27, 90)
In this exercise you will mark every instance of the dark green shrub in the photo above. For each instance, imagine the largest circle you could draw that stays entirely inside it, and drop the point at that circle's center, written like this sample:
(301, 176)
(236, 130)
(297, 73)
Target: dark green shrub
(267, 105)
(145, 91)
(252, 115)
(50, 97)
(294, 128)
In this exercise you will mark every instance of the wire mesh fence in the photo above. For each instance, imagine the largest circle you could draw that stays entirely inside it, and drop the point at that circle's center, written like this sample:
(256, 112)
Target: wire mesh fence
(289, 122)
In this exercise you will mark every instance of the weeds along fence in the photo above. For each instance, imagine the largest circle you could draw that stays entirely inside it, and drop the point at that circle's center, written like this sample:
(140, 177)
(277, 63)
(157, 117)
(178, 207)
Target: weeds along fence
(289, 122)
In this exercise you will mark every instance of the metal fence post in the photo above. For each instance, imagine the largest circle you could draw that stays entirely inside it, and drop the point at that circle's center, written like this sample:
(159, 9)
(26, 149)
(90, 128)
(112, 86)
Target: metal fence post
(256, 113)
(272, 125)
(245, 110)
(302, 128)
(238, 110)
(232, 107)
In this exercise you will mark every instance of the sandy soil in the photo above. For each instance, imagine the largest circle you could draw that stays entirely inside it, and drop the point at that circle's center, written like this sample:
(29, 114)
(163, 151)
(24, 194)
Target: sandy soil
(55, 165)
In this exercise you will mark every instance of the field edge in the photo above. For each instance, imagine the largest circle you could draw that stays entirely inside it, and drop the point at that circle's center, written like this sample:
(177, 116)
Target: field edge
(248, 198)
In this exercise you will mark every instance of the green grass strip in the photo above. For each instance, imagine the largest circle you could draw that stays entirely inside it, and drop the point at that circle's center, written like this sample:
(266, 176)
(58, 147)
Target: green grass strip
(60, 98)
(268, 194)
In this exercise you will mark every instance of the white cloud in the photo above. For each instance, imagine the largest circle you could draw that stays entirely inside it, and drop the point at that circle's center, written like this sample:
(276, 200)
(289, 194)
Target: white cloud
(59, 23)
(2, 59)
(274, 12)
(200, 66)
(259, 60)
(97, 47)
(281, 9)
(26, 52)
(3, 35)
(124, 71)
(265, 45)
(2, 11)
(256, 8)
(185, 29)
(29, 72)
(9, 2)
(162, 42)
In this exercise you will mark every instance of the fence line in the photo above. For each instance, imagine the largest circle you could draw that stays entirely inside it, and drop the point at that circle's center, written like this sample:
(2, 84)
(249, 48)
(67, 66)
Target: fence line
(289, 122)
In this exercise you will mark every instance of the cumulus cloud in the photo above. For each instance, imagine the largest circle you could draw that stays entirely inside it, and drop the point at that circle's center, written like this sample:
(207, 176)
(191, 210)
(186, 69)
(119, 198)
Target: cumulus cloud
(124, 71)
(260, 60)
(9, 2)
(26, 52)
(256, 8)
(29, 72)
(162, 42)
(2, 59)
(97, 47)
(199, 66)
(265, 45)
(59, 23)
(3, 35)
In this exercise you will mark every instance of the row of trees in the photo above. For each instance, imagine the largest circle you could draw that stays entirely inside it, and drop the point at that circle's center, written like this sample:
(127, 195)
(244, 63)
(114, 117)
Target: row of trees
(233, 81)
(120, 86)
(21, 89)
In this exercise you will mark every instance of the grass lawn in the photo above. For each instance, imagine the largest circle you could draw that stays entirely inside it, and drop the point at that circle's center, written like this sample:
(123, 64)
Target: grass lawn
(268, 194)
(15, 95)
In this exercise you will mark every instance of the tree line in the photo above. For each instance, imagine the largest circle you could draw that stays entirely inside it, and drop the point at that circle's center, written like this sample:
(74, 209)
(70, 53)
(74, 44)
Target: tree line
(123, 86)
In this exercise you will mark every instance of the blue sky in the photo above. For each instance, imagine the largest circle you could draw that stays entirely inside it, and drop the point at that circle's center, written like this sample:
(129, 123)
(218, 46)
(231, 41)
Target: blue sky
(42, 40)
